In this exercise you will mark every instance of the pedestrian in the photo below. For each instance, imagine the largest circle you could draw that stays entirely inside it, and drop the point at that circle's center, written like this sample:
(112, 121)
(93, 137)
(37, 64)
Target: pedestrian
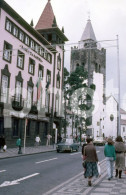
(3, 143)
(37, 140)
(18, 143)
(0, 142)
(48, 139)
(120, 149)
(91, 160)
(109, 152)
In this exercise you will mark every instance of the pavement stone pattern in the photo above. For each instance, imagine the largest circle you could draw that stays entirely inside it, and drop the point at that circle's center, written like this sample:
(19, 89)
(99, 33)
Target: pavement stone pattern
(13, 152)
(101, 185)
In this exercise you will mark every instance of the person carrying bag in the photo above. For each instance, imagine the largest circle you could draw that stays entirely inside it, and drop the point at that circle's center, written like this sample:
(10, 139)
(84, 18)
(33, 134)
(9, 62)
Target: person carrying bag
(18, 143)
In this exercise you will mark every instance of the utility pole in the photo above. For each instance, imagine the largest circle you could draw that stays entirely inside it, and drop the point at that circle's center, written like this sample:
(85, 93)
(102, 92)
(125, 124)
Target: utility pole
(118, 106)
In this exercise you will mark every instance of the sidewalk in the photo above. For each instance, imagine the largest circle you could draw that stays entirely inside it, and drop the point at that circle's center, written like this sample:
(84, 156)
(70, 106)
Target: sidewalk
(13, 152)
(78, 185)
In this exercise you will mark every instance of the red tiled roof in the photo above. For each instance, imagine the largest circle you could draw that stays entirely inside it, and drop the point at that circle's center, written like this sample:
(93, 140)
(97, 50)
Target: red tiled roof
(46, 18)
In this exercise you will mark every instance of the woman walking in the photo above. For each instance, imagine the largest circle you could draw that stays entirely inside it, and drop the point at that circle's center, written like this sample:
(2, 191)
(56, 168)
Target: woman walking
(109, 152)
(120, 156)
(91, 161)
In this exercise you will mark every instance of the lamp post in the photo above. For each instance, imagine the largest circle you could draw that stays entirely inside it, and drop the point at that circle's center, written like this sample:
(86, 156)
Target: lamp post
(118, 106)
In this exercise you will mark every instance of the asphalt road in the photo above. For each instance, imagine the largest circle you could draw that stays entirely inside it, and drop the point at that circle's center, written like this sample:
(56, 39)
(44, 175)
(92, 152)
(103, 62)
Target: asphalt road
(39, 173)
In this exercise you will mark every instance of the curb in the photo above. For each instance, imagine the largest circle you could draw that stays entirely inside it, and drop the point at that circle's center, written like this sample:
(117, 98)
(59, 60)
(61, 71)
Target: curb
(20, 155)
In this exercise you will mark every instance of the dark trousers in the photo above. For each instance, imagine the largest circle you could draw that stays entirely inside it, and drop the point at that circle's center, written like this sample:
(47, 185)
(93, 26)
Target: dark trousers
(19, 152)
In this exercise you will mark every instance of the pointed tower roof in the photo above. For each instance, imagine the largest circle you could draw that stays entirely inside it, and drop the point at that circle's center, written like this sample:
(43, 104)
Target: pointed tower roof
(46, 19)
(47, 23)
(88, 33)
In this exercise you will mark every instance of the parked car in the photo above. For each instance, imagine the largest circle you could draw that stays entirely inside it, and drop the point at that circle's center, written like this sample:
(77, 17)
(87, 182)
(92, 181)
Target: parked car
(67, 144)
(99, 141)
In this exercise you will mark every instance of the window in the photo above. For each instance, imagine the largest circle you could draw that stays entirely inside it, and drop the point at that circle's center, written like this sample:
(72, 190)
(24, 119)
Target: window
(39, 97)
(15, 127)
(29, 96)
(58, 80)
(32, 44)
(15, 31)
(57, 103)
(48, 77)
(41, 51)
(123, 129)
(4, 88)
(37, 48)
(31, 66)
(7, 52)
(20, 60)
(47, 101)
(59, 62)
(28, 128)
(26, 40)
(40, 71)
(8, 25)
(18, 91)
(21, 36)
(49, 57)
(96, 67)
(45, 54)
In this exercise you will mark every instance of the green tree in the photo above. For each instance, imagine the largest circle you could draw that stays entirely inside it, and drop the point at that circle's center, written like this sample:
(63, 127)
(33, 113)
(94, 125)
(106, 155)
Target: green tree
(81, 97)
(66, 98)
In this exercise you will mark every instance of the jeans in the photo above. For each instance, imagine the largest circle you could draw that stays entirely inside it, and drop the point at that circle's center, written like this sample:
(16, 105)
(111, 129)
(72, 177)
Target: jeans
(110, 165)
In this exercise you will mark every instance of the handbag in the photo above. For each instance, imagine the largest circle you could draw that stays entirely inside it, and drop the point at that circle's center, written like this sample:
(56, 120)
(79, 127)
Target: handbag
(99, 168)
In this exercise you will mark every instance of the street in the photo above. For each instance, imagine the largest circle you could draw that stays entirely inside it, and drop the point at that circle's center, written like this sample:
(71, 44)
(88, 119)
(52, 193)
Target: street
(40, 173)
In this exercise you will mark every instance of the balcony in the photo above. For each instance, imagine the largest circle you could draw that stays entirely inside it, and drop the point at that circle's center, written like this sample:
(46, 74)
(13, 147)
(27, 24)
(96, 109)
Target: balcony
(47, 110)
(34, 109)
(17, 103)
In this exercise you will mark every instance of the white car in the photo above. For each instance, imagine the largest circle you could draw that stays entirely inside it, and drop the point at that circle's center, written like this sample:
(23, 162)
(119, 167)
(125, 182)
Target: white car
(99, 141)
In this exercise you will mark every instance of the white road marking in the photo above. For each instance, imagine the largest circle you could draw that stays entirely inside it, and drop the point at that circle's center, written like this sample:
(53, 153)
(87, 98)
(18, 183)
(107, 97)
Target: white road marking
(75, 153)
(46, 160)
(2, 171)
(14, 182)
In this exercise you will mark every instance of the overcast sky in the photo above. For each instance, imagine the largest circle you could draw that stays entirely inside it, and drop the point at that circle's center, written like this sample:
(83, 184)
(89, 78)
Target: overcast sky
(108, 19)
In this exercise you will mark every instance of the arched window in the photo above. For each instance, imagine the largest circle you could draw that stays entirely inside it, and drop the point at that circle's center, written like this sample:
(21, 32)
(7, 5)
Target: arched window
(99, 68)
(96, 67)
